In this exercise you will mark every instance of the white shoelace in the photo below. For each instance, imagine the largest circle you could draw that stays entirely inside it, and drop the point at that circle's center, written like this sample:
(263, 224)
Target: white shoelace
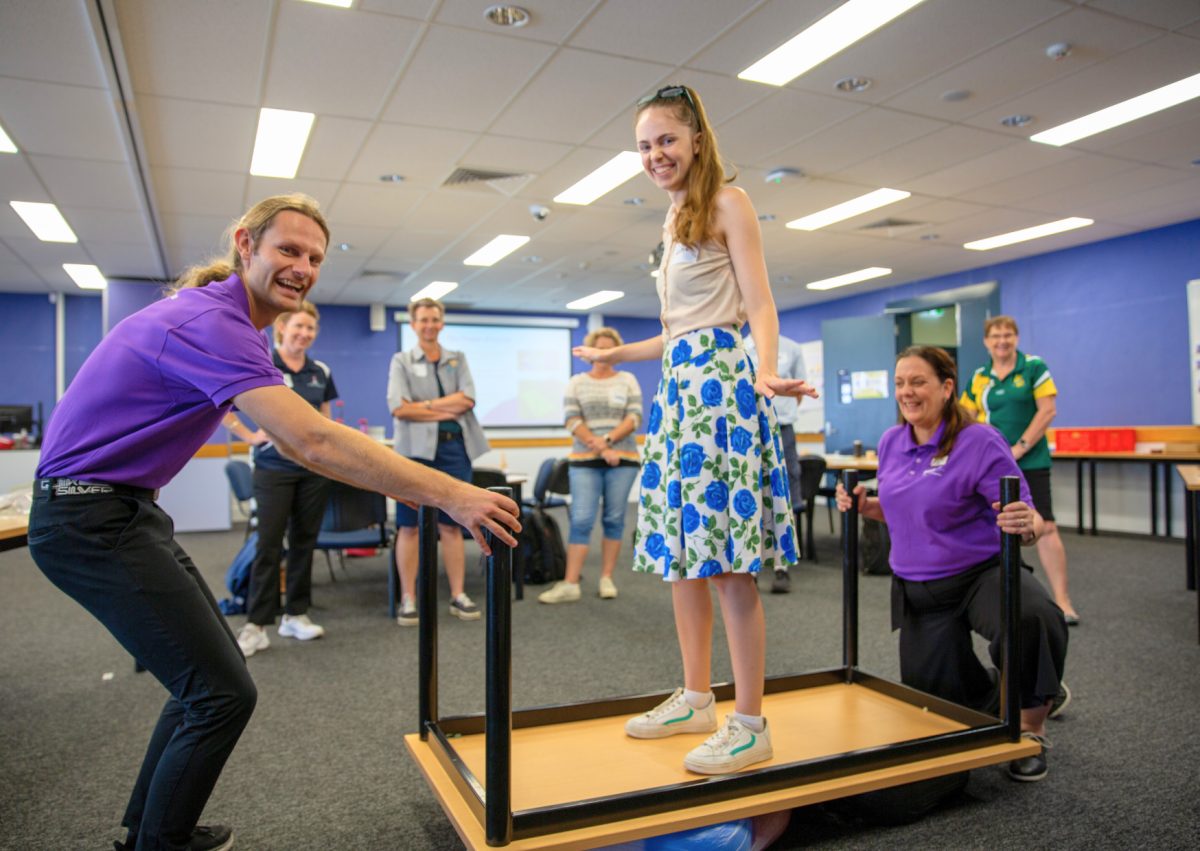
(667, 707)
(726, 735)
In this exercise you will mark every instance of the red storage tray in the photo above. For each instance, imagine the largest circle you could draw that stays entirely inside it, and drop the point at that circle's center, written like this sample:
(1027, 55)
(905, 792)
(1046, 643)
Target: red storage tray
(1095, 440)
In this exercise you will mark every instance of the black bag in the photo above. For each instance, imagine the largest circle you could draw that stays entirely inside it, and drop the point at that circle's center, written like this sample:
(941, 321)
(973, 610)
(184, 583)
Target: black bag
(546, 558)
(876, 548)
(907, 803)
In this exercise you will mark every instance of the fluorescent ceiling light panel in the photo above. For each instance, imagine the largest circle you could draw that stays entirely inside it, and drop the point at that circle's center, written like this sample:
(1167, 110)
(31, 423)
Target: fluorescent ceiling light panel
(604, 179)
(501, 246)
(1121, 113)
(834, 32)
(280, 142)
(852, 278)
(343, 4)
(45, 221)
(595, 300)
(1028, 233)
(6, 144)
(86, 275)
(437, 289)
(870, 201)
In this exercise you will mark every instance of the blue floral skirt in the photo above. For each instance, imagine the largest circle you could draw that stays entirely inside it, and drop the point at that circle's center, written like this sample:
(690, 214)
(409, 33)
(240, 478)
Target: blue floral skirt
(714, 495)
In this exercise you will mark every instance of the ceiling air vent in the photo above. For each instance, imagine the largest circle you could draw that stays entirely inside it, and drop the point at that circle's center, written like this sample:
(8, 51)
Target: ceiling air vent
(504, 182)
(892, 227)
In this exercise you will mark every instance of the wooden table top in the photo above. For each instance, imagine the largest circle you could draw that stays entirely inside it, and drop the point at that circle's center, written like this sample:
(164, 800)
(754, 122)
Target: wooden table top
(13, 527)
(1190, 473)
(849, 462)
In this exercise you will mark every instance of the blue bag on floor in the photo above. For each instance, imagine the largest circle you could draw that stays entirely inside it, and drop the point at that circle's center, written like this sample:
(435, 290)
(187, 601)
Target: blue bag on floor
(237, 578)
(730, 836)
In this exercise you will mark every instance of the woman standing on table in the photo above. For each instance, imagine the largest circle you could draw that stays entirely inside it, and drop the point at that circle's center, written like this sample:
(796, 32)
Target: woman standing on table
(939, 479)
(289, 498)
(714, 502)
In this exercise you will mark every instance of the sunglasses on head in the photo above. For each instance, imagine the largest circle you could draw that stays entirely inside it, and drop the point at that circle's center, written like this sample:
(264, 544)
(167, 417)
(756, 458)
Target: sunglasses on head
(671, 92)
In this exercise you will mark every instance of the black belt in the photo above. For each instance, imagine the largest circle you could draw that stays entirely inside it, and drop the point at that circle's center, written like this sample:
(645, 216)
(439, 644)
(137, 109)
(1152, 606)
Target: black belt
(58, 486)
(444, 436)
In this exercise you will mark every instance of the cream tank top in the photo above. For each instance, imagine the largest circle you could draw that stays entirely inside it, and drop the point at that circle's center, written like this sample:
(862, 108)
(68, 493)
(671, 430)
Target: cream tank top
(696, 286)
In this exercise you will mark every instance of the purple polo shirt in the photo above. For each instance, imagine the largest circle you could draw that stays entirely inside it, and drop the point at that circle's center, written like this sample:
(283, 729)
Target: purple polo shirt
(939, 512)
(156, 387)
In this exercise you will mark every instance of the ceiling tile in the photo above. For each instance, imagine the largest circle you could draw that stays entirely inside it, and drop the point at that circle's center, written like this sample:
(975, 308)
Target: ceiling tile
(1021, 63)
(259, 188)
(94, 225)
(772, 24)
(332, 146)
(501, 153)
(374, 206)
(364, 240)
(415, 245)
(452, 210)
(666, 31)
(550, 22)
(1176, 145)
(18, 182)
(1166, 214)
(15, 274)
(1077, 200)
(120, 260)
(416, 9)
(422, 155)
(334, 61)
(858, 137)
(989, 168)
(44, 256)
(194, 231)
(88, 183)
(196, 192)
(62, 121)
(778, 122)
(577, 165)
(51, 41)
(1119, 207)
(930, 153)
(1167, 14)
(190, 134)
(1078, 169)
(202, 49)
(461, 79)
(575, 94)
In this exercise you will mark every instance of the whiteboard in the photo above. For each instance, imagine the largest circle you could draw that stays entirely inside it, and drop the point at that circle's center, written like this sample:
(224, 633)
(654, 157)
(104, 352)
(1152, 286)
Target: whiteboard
(811, 418)
(520, 373)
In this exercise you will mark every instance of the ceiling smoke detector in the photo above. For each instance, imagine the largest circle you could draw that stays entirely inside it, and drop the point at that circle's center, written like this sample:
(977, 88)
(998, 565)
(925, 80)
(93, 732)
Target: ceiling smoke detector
(1016, 120)
(344, 246)
(853, 84)
(507, 16)
(779, 175)
(391, 178)
(767, 217)
(636, 202)
(1058, 51)
(931, 236)
(955, 95)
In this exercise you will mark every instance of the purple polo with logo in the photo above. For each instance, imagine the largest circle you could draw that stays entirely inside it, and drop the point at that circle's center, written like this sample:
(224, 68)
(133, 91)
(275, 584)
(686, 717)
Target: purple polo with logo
(156, 387)
(939, 510)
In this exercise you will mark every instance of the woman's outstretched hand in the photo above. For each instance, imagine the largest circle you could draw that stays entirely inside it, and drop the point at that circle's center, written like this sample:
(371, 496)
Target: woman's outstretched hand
(591, 354)
(771, 386)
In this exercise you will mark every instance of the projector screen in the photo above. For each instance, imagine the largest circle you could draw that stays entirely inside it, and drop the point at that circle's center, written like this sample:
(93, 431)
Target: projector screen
(520, 373)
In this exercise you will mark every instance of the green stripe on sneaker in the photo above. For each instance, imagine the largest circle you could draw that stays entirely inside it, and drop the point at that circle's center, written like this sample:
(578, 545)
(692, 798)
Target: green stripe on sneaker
(691, 712)
(749, 744)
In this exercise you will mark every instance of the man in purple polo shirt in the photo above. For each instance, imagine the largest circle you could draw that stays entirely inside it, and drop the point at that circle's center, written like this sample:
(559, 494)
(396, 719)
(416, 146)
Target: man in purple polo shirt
(939, 483)
(176, 368)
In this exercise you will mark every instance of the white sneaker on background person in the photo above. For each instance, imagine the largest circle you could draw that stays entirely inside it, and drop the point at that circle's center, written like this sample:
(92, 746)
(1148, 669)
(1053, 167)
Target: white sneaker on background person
(252, 638)
(673, 715)
(562, 592)
(462, 607)
(732, 747)
(608, 589)
(408, 613)
(299, 626)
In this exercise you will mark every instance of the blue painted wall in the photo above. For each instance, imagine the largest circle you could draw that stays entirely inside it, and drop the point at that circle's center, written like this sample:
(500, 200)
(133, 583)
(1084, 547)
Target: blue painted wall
(84, 329)
(1109, 318)
(125, 298)
(27, 350)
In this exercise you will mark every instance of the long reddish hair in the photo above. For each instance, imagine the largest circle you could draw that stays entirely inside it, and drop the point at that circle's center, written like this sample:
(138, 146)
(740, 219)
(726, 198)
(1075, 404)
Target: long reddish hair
(694, 219)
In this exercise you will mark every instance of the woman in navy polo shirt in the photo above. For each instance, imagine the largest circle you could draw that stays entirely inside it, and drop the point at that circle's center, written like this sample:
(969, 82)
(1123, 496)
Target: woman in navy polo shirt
(939, 480)
(289, 498)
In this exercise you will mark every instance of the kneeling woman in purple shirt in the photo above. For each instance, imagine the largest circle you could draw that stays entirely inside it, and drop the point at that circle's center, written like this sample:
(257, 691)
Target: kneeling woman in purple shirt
(939, 480)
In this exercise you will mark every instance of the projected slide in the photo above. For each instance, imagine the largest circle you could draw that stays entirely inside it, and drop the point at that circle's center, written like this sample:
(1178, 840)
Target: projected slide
(520, 373)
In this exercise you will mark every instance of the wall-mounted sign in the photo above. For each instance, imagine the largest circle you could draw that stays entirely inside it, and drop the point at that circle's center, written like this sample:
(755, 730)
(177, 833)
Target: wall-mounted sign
(870, 385)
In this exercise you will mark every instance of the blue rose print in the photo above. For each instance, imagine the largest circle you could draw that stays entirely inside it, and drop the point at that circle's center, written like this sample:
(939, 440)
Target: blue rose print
(670, 449)
(656, 545)
(745, 398)
(745, 503)
(691, 518)
(741, 440)
(682, 353)
(672, 392)
(712, 567)
(723, 339)
(691, 459)
(651, 475)
(721, 438)
(788, 545)
(755, 566)
(655, 421)
(716, 495)
(675, 495)
(729, 549)
(741, 366)
(764, 429)
(703, 359)
(710, 393)
(779, 483)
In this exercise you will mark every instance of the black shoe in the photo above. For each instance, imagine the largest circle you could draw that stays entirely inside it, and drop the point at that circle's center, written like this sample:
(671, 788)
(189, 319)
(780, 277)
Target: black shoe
(1071, 620)
(1060, 701)
(1030, 769)
(123, 846)
(782, 583)
(215, 838)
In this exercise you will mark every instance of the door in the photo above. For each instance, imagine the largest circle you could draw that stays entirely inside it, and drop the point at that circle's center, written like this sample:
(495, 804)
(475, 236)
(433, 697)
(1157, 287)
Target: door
(865, 345)
(972, 354)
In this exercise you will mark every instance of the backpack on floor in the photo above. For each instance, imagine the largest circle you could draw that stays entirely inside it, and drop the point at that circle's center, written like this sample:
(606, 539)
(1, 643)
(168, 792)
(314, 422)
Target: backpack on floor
(906, 803)
(237, 577)
(530, 544)
(548, 561)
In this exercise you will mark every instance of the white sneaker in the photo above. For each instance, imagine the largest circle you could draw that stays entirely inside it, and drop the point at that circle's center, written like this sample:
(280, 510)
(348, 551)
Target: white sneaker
(462, 607)
(252, 638)
(562, 592)
(608, 591)
(673, 715)
(730, 748)
(408, 613)
(299, 626)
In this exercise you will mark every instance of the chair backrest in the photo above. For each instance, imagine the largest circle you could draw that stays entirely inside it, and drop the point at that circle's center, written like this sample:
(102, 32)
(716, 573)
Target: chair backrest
(542, 479)
(560, 477)
(241, 480)
(350, 509)
(812, 469)
(488, 477)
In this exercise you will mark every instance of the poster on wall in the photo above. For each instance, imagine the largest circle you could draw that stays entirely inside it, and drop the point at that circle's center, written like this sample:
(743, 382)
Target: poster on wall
(1193, 301)
(872, 384)
(811, 417)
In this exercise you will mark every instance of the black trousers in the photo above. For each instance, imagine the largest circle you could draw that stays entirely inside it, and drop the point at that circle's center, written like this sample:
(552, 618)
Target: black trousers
(936, 618)
(291, 501)
(117, 557)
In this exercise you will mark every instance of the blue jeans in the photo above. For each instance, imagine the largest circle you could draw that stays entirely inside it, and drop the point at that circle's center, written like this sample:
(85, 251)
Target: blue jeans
(588, 484)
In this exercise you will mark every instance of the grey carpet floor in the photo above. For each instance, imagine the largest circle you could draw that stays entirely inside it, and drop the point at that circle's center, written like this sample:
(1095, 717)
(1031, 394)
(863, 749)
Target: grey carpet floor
(322, 763)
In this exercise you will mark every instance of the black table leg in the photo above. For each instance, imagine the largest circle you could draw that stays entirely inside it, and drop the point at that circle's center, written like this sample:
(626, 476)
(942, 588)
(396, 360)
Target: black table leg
(1079, 495)
(1189, 523)
(1168, 469)
(1153, 498)
(1092, 485)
